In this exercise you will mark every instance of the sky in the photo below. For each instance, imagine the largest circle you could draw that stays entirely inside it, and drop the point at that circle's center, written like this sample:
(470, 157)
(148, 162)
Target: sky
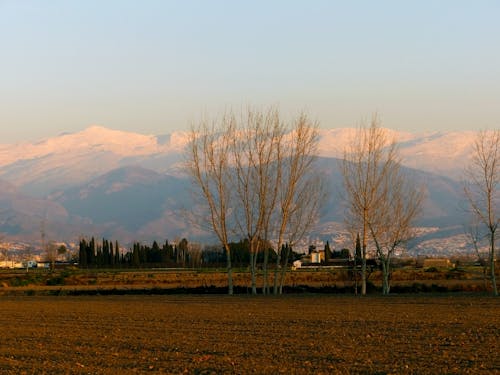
(154, 67)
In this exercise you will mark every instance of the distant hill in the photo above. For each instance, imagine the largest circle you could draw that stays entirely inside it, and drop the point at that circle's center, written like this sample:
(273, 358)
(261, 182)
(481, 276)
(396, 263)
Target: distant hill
(134, 202)
(132, 187)
(442, 206)
(22, 216)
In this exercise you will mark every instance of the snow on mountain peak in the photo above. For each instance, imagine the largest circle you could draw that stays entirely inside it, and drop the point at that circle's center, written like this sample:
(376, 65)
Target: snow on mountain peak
(439, 152)
(101, 138)
(92, 139)
(179, 139)
(334, 141)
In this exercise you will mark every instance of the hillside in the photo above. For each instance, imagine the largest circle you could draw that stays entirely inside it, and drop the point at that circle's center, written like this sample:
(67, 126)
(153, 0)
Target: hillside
(130, 186)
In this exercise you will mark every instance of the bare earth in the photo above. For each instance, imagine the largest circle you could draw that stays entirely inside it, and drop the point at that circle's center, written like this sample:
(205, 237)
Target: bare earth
(200, 334)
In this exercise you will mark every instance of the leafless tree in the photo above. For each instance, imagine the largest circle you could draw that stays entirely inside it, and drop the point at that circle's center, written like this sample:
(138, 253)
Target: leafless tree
(26, 257)
(254, 173)
(300, 191)
(195, 252)
(208, 162)
(391, 226)
(256, 149)
(299, 208)
(368, 162)
(278, 188)
(482, 190)
(4, 251)
(51, 250)
(473, 233)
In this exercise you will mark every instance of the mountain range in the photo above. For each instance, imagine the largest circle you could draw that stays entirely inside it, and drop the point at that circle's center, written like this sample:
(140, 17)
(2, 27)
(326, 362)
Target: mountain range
(130, 186)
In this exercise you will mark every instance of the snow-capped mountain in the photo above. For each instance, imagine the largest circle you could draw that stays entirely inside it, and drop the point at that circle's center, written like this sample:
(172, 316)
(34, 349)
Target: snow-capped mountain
(93, 139)
(71, 159)
(131, 186)
(443, 153)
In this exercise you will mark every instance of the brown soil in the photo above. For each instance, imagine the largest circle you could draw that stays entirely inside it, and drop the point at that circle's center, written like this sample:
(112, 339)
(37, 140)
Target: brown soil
(263, 335)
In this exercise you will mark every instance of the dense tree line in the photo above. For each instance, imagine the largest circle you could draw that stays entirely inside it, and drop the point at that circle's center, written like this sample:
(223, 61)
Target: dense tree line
(241, 254)
(107, 254)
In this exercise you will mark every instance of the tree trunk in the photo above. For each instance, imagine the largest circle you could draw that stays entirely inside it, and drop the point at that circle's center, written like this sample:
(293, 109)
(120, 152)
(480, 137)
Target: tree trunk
(492, 264)
(363, 255)
(385, 276)
(284, 268)
(484, 265)
(355, 276)
(265, 287)
(252, 271)
(276, 268)
(363, 271)
(229, 272)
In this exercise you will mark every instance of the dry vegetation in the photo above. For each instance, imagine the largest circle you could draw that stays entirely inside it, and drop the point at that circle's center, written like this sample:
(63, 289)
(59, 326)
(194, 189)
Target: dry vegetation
(244, 334)
(74, 281)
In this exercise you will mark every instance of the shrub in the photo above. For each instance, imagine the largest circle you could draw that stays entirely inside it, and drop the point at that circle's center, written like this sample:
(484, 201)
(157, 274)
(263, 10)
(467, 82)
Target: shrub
(57, 280)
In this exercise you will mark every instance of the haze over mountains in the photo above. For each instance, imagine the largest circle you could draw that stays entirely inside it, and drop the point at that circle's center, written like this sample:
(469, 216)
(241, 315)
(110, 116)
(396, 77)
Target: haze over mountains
(131, 186)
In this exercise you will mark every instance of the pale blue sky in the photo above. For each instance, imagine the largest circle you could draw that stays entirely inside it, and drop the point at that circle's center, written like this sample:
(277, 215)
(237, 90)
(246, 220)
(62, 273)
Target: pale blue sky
(155, 66)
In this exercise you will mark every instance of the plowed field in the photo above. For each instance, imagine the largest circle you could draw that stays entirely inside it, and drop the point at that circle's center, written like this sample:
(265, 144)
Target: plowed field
(299, 334)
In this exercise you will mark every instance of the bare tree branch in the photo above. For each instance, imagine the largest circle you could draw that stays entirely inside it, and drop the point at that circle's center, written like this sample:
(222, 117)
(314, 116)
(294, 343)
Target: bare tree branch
(257, 176)
(481, 189)
(381, 202)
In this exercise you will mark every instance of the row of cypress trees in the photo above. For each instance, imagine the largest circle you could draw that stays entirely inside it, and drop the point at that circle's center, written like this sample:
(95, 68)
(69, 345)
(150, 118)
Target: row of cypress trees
(106, 254)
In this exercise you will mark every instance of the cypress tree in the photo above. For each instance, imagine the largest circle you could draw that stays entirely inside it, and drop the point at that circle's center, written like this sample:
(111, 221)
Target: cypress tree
(99, 256)
(91, 252)
(182, 252)
(82, 254)
(357, 254)
(135, 256)
(105, 253)
(111, 255)
(118, 260)
(170, 250)
(328, 253)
